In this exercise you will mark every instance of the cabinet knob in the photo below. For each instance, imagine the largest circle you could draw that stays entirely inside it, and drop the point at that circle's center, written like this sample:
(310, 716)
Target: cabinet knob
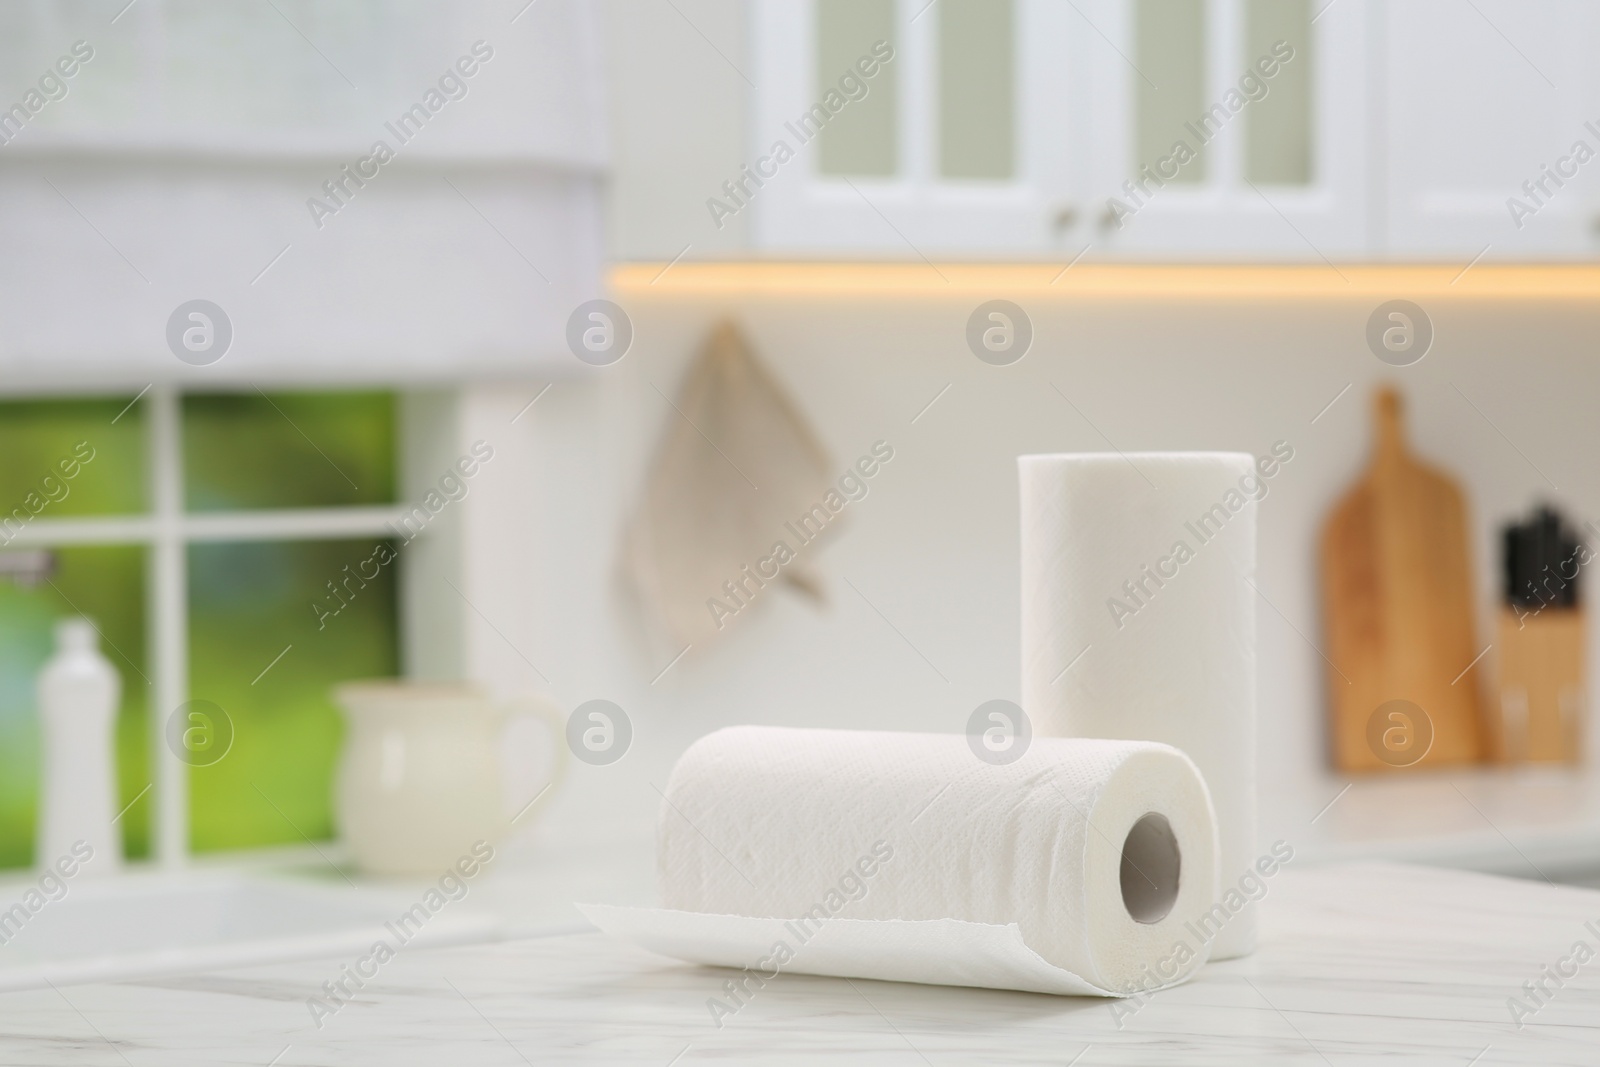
(1066, 217)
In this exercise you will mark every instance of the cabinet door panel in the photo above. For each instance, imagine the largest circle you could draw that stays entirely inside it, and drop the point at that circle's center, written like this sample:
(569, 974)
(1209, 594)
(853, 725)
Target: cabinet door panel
(1483, 97)
(1279, 167)
(943, 187)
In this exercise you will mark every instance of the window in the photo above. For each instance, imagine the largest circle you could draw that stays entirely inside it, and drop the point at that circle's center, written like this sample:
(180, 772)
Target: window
(212, 539)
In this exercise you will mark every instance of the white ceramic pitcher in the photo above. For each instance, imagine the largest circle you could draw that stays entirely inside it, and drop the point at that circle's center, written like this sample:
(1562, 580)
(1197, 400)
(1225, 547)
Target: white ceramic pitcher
(419, 776)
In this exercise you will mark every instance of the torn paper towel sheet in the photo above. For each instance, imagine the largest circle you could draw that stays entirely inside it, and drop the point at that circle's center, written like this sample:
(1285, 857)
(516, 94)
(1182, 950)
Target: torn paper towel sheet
(1139, 619)
(930, 951)
(1082, 866)
(736, 460)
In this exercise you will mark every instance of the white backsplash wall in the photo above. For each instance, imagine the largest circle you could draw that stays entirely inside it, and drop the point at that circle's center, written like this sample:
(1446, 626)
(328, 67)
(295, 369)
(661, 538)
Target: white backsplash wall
(934, 546)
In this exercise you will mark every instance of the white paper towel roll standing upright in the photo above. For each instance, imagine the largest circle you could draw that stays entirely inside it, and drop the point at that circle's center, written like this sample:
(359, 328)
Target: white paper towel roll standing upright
(1139, 620)
(1083, 866)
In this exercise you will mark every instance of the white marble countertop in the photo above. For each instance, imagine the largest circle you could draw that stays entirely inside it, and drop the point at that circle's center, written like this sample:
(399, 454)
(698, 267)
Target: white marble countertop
(1530, 821)
(1363, 961)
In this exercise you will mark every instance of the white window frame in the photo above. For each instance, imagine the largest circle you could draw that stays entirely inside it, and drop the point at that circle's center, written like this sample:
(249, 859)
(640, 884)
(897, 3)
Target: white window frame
(166, 530)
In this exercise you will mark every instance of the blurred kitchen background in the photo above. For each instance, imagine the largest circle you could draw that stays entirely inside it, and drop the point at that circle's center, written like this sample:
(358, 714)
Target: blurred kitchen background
(627, 152)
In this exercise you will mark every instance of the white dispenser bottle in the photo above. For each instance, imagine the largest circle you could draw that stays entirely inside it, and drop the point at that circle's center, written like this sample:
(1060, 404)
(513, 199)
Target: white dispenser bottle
(79, 692)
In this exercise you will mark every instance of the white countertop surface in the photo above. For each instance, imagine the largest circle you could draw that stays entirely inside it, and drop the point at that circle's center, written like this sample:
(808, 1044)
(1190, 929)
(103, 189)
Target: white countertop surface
(1530, 821)
(1362, 961)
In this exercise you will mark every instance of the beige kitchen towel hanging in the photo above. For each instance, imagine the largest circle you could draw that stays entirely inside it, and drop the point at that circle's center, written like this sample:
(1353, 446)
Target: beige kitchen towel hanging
(736, 463)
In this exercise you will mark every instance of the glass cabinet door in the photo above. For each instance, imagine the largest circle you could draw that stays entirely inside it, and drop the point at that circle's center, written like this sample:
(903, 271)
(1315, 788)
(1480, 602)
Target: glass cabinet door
(1115, 128)
(1241, 130)
(902, 128)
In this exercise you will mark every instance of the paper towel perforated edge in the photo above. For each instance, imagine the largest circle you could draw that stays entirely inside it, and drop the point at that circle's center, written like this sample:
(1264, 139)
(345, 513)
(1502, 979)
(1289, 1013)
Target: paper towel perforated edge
(925, 951)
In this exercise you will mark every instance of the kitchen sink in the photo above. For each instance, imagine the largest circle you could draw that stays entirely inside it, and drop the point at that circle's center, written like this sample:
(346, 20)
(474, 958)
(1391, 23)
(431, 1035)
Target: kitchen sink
(149, 923)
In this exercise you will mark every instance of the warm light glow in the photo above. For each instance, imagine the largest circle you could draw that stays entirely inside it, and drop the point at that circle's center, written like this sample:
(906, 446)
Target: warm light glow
(1107, 281)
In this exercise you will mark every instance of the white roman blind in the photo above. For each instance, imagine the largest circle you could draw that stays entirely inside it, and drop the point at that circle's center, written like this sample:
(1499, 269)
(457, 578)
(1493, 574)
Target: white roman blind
(370, 191)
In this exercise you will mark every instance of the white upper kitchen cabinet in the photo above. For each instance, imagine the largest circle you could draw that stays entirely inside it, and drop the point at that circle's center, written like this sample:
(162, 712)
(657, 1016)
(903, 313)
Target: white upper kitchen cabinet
(1232, 129)
(1016, 126)
(901, 128)
(1488, 103)
(1277, 130)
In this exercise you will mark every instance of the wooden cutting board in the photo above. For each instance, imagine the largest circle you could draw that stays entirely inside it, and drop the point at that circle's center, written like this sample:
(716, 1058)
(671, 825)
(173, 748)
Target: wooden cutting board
(1399, 610)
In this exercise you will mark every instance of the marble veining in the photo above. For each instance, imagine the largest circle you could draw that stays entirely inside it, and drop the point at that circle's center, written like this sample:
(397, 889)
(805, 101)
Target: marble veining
(1361, 962)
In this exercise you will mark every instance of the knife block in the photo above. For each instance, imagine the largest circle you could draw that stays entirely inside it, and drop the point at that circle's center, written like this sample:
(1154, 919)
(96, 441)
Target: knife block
(1541, 695)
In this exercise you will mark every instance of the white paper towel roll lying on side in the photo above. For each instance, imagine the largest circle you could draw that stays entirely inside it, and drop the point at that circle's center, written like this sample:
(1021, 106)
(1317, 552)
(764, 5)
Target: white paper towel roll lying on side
(1139, 620)
(1083, 866)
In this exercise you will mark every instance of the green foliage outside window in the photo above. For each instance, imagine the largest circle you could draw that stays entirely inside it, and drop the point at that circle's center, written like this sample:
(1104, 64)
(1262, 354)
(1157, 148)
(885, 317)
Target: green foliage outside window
(248, 602)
